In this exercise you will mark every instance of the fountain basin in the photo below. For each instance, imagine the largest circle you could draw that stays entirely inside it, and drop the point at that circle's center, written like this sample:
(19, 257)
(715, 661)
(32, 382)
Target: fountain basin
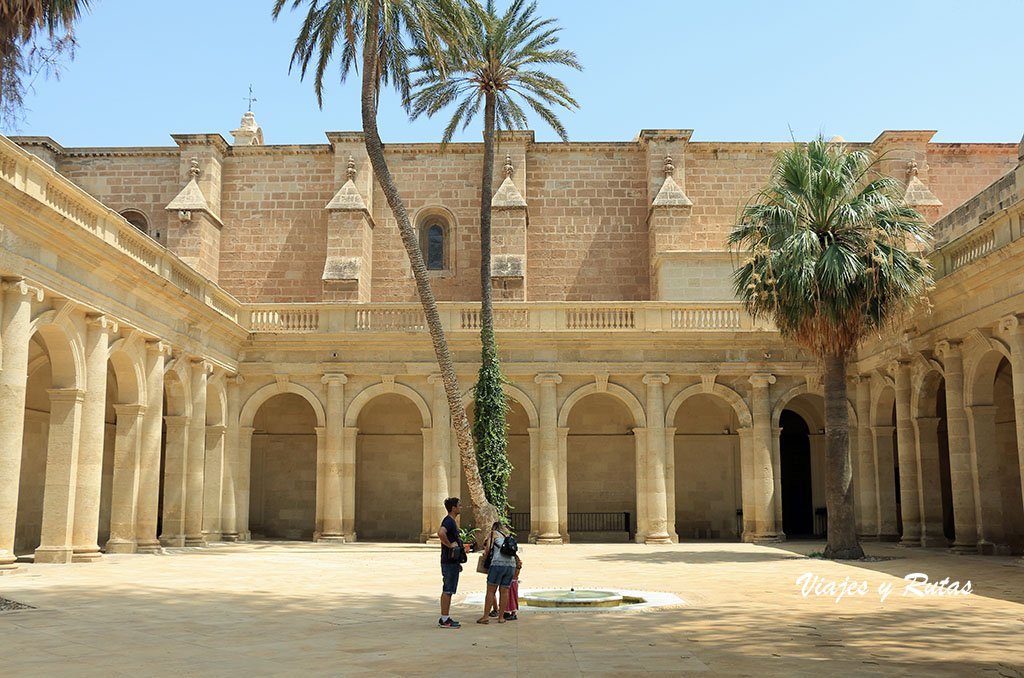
(574, 598)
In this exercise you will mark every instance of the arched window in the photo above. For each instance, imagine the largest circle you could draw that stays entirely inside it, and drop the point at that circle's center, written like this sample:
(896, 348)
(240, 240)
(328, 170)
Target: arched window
(435, 242)
(435, 247)
(136, 219)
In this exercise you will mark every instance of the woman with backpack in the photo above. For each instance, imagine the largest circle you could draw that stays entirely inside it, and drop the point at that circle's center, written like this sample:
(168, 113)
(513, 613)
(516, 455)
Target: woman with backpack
(502, 550)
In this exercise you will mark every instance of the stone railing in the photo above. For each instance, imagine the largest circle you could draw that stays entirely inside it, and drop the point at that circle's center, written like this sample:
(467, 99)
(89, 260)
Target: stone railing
(639, 316)
(996, 232)
(33, 177)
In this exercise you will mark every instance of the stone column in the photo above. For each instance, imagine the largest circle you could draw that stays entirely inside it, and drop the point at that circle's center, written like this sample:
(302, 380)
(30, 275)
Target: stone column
(243, 482)
(195, 463)
(55, 545)
(228, 506)
(175, 455)
(348, 482)
(640, 473)
(988, 510)
(1014, 327)
(885, 482)
(547, 506)
(961, 477)
(15, 332)
(761, 448)
(534, 434)
(318, 501)
(777, 476)
(670, 482)
(910, 502)
(438, 460)
(563, 483)
(930, 489)
(149, 450)
(213, 482)
(746, 482)
(657, 491)
(125, 487)
(90, 451)
(334, 460)
(866, 490)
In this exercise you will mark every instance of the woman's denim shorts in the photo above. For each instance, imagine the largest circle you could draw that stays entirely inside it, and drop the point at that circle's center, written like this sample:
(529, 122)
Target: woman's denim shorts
(500, 575)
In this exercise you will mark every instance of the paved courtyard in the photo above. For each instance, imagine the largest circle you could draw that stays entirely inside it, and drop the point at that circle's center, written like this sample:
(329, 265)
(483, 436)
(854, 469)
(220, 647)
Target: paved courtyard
(288, 608)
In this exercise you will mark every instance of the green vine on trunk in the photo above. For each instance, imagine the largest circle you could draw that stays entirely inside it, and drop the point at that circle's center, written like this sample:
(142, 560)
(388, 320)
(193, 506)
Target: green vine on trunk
(490, 427)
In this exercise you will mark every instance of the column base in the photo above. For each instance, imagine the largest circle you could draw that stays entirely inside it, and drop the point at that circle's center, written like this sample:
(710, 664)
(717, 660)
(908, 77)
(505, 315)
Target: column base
(148, 547)
(934, 542)
(910, 542)
(212, 536)
(891, 538)
(550, 539)
(120, 546)
(331, 539)
(85, 554)
(868, 537)
(173, 541)
(433, 540)
(663, 538)
(963, 548)
(8, 565)
(766, 538)
(54, 554)
(194, 540)
(350, 537)
(229, 536)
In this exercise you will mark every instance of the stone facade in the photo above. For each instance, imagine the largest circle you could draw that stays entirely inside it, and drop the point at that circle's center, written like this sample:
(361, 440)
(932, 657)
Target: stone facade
(247, 356)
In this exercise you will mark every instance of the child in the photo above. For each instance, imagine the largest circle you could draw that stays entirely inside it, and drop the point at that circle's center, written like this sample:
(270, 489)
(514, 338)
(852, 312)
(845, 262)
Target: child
(513, 592)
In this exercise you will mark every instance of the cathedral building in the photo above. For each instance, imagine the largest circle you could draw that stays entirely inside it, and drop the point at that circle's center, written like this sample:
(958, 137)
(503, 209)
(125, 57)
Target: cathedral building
(217, 340)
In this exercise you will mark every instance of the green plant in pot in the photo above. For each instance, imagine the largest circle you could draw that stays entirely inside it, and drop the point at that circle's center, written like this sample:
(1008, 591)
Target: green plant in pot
(467, 535)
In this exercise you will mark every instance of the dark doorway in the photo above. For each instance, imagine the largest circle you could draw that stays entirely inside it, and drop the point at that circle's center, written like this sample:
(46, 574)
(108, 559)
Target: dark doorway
(795, 458)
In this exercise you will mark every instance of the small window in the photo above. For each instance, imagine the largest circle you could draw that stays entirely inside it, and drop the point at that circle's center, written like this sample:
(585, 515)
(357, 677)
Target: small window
(136, 219)
(435, 247)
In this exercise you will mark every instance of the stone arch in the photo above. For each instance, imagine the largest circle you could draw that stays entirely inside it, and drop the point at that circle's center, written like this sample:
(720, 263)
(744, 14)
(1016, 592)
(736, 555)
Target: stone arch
(368, 393)
(782, 403)
(136, 218)
(623, 394)
(64, 348)
(734, 399)
(925, 393)
(516, 394)
(217, 402)
(881, 405)
(177, 386)
(980, 374)
(130, 372)
(262, 395)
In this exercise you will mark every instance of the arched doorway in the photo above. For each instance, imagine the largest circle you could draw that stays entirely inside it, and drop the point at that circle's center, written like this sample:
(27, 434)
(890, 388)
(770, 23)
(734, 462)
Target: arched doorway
(1008, 483)
(29, 519)
(707, 469)
(282, 500)
(389, 470)
(601, 470)
(795, 460)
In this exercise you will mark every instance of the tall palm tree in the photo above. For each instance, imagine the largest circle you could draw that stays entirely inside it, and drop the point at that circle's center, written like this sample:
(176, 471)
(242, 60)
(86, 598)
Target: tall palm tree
(495, 63)
(384, 27)
(20, 22)
(831, 256)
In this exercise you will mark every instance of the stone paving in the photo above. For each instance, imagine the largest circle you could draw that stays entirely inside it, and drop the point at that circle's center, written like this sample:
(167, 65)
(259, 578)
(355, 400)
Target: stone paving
(288, 608)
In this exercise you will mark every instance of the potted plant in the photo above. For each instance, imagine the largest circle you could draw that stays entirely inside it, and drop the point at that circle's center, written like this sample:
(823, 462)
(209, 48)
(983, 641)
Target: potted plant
(467, 535)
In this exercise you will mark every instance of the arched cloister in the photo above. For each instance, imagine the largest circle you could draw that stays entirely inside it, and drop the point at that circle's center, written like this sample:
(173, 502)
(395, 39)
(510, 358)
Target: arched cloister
(389, 469)
(799, 418)
(706, 452)
(173, 446)
(931, 434)
(992, 422)
(283, 465)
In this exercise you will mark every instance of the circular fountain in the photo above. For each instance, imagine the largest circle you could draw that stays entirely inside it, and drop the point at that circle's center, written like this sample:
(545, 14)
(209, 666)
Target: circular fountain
(574, 598)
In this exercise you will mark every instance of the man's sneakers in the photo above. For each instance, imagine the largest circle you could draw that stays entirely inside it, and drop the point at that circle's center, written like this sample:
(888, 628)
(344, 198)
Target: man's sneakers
(493, 613)
(448, 623)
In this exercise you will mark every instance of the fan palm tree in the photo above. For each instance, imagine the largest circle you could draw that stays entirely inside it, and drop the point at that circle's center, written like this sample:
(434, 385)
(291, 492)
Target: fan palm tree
(831, 256)
(383, 27)
(495, 64)
(20, 21)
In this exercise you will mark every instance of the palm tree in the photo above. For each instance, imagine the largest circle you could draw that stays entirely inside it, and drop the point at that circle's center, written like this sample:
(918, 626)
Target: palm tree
(831, 256)
(383, 26)
(20, 22)
(495, 63)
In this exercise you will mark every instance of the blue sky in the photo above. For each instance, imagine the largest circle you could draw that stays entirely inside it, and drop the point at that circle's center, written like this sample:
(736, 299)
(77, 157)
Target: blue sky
(732, 71)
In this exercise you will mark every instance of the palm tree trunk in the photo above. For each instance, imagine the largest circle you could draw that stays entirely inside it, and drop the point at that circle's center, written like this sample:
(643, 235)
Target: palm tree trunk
(842, 526)
(486, 193)
(484, 513)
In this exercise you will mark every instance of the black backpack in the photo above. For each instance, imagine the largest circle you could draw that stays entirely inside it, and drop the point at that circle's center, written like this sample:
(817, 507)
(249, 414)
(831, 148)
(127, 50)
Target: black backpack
(509, 547)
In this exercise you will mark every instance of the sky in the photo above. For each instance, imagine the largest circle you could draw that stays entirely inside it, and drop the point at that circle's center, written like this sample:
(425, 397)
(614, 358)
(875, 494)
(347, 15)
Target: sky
(729, 70)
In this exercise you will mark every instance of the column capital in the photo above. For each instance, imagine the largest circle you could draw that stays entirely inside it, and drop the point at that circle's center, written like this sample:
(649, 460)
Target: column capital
(894, 366)
(23, 287)
(202, 365)
(762, 380)
(175, 420)
(947, 347)
(350, 430)
(547, 377)
(130, 410)
(335, 377)
(1012, 323)
(235, 379)
(159, 347)
(981, 409)
(66, 395)
(101, 322)
(216, 430)
(658, 377)
(863, 378)
(883, 430)
(246, 430)
(434, 378)
(321, 431)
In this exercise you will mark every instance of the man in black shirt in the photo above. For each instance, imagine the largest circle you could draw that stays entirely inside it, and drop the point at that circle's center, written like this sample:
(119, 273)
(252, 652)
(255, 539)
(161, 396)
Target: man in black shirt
(450, 565)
